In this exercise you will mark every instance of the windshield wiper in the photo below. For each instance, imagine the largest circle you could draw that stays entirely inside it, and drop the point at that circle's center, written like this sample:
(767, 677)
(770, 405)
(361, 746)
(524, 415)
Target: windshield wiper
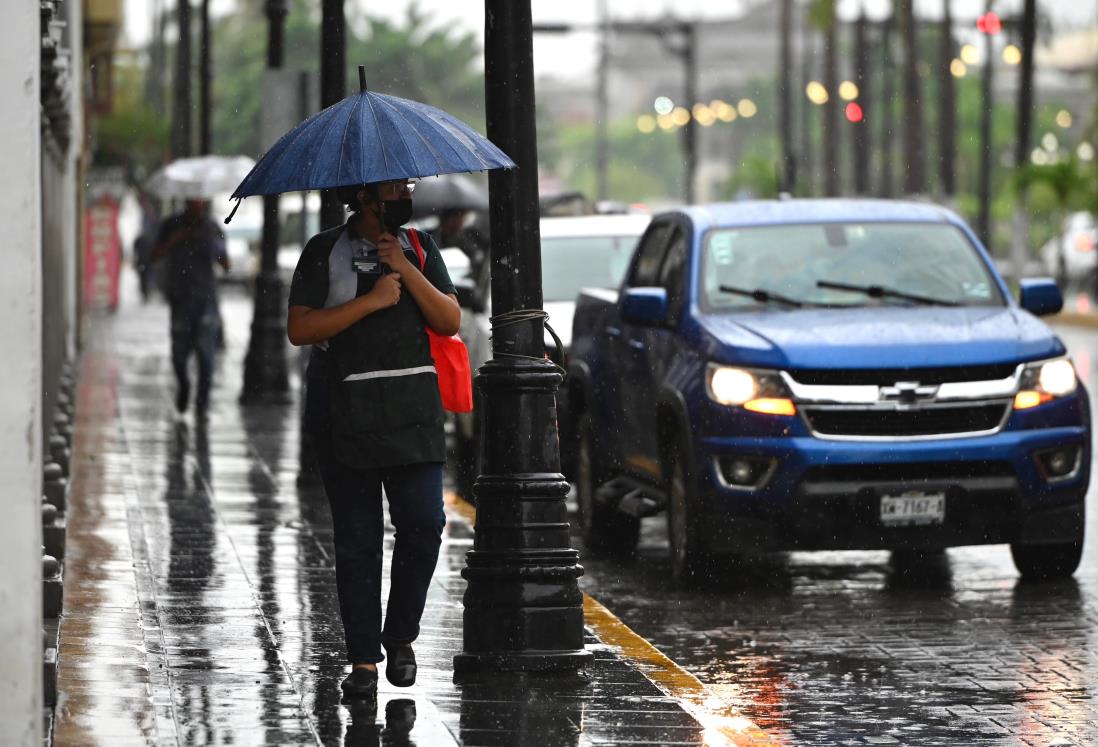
(880, 291)
(762, 296)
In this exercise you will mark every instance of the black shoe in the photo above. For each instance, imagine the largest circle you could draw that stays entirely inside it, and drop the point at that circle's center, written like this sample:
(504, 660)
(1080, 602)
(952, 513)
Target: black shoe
(360, 683)
(400, 669)
(400, 717)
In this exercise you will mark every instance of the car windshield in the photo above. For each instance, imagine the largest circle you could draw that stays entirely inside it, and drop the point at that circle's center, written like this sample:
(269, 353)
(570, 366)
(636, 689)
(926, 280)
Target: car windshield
(569, 264)
(879, 263)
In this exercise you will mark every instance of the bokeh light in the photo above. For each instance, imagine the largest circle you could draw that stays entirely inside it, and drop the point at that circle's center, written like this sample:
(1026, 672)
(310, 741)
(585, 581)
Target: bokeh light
(816, 92)
(848, 90)
(854, 112)
(663, 105)
(958, 68)
(1085, 151)
(646, 123)
(1012, 55)
(1063, 118)
(970, 55)
(680, 116)
(747, 108)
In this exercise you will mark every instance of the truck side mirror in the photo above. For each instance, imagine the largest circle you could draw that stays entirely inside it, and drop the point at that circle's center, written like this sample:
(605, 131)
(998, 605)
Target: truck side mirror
(1040, 296)
(644, 306)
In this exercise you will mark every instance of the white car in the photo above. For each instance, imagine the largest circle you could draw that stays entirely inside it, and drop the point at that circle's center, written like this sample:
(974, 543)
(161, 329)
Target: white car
(590, 251)
(1071, 256)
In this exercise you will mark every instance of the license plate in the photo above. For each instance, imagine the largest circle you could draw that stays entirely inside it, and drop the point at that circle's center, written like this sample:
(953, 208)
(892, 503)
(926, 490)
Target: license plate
(913, 508)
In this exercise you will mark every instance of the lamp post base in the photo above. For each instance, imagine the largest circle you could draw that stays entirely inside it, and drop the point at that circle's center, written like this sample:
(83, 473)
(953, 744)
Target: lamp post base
(469, 666)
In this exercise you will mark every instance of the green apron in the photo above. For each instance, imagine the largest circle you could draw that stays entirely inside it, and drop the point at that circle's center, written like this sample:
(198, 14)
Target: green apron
(385, 405)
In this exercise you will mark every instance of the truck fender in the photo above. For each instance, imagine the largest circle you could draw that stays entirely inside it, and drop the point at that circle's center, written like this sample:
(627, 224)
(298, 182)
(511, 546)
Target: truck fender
(672, 421)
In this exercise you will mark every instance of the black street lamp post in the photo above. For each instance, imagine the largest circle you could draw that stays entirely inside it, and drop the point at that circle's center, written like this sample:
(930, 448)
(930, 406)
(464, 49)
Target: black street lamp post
(333, 87)
(523, 606)
(181, 102)
(266, 377)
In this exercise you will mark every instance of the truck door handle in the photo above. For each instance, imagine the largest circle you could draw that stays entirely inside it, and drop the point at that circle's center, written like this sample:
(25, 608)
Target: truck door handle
(613, 331)
(636, 344)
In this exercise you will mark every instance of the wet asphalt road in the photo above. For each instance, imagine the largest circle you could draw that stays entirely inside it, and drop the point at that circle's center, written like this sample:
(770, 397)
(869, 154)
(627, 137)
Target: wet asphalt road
(833, 648)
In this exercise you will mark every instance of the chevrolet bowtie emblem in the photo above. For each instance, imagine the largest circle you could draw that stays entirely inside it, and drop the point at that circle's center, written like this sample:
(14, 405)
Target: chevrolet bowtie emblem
(909, 391)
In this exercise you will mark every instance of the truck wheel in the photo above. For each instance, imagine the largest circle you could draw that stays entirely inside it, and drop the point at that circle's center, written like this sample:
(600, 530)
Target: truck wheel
(602, 527)
(690, 560)
(1046, 562)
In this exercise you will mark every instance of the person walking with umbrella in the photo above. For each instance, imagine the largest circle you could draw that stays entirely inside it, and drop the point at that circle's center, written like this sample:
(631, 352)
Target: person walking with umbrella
(192, 244)
(365, 295)
(373, 410)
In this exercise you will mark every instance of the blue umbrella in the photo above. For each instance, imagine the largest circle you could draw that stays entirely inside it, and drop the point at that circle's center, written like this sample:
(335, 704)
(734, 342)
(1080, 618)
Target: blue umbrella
(370, 137)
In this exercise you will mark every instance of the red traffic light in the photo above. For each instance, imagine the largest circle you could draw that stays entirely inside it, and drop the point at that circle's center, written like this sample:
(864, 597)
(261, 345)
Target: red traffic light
(989, 23)
(854, 112)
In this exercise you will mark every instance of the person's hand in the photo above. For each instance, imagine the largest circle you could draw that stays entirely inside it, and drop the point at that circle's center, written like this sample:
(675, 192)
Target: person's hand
(386, 292)
(391, 253)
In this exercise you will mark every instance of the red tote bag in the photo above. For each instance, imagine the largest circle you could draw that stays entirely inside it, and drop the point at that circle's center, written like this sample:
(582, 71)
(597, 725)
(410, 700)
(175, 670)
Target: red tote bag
(455, 375)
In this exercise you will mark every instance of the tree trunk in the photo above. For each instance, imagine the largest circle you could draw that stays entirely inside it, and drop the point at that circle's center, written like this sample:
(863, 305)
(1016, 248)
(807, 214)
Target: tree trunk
(807, 178)
(1019, 247)
(888, 111)
(862, 143)
(785, 97)
(830, 110)
(947, 105)
(914, 149)
(181, 103)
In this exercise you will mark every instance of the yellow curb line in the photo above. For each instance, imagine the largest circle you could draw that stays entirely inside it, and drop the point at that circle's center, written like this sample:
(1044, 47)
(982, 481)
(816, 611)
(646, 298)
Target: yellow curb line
(722, 723)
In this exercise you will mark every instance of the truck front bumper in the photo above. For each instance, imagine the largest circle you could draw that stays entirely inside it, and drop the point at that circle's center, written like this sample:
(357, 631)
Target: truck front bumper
(825, 494)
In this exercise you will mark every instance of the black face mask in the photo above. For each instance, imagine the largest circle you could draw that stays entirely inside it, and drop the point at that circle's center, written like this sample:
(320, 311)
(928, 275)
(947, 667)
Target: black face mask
(397, 213)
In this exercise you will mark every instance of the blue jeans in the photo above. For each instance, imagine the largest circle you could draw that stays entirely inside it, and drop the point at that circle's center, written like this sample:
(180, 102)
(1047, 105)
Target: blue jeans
(194, 330)
(414, 492)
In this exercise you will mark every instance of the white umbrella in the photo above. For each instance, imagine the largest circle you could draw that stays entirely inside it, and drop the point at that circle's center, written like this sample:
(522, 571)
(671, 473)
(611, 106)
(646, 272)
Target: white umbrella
(199, 178)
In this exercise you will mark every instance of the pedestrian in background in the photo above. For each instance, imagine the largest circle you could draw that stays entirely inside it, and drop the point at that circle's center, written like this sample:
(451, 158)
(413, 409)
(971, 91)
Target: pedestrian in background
(363, 295)
(191, 243)
(144, 244)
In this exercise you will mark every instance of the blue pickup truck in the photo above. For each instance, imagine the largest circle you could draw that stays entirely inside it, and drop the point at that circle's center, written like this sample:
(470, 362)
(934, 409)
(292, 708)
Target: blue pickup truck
(826, 374)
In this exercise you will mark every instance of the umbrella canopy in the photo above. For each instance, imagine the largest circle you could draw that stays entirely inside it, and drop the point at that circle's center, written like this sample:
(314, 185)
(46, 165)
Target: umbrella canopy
(199, 178)
(448, 192)
(370, 137)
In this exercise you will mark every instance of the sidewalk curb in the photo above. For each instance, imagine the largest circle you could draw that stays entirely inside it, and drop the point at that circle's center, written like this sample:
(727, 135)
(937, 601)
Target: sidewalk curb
(721, 722)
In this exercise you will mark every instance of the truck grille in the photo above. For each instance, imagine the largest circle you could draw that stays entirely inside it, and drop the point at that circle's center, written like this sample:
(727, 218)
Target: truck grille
(887, 422)
(889, 376)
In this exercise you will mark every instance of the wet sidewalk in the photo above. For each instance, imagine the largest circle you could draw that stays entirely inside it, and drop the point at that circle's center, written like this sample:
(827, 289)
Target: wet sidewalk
(200, 603)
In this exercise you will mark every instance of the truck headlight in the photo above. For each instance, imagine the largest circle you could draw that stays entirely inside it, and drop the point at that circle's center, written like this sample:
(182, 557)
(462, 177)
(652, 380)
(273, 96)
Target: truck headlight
(1045, 381)
(754, 390)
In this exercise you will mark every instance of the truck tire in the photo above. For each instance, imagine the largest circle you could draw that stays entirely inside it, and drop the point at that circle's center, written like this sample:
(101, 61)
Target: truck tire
(690, 559)
(1046, 562)
(602, 527)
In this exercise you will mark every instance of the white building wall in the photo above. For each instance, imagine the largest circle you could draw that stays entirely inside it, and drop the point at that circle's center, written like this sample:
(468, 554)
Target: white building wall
(20, 381)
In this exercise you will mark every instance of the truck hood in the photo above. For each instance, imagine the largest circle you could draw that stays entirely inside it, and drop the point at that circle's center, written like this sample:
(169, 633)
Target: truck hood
(879, 337)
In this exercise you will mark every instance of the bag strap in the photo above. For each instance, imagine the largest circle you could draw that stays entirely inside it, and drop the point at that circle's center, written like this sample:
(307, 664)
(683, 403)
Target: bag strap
(413, 236)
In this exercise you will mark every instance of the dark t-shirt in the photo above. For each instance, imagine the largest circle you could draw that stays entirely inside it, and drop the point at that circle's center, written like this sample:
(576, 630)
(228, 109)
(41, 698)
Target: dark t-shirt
(313, 285)
(189, 273)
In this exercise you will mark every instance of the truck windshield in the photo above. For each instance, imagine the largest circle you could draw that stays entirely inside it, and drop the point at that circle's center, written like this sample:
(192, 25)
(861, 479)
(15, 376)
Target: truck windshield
(569, 264)
(811, 263)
